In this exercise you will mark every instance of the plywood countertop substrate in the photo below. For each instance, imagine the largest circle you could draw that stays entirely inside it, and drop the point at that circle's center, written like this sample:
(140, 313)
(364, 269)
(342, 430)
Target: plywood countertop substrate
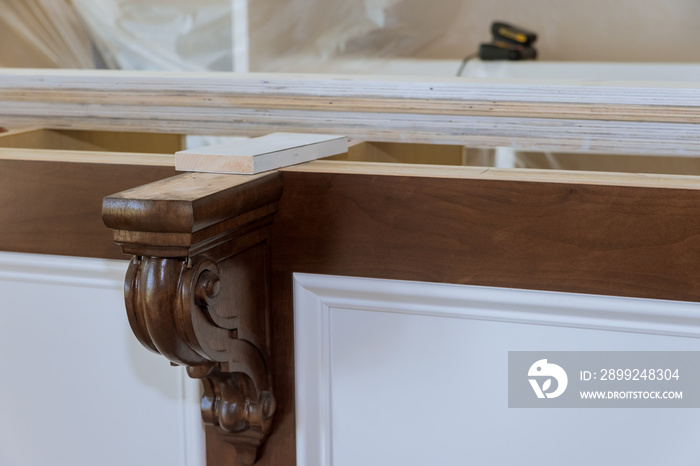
(563, 115)
(261, 154)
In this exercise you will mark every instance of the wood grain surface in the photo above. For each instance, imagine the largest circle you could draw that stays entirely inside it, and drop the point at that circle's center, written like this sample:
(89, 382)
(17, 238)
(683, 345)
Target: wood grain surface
(205, 302)
(642, 180)
(55, 207)
(280, 447)
(90, 157)
(637, 241)
(185, 214)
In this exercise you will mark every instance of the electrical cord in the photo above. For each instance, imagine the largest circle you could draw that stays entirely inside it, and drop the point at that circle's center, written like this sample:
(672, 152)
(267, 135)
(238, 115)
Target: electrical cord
(464, 62)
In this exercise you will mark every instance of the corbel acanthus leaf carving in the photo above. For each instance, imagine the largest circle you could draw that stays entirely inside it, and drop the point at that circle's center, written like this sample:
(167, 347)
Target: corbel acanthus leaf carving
(206, 309)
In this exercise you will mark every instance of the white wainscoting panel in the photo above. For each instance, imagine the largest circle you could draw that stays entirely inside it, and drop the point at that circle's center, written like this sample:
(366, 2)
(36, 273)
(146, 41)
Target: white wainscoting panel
(76, 387)
(408, 373)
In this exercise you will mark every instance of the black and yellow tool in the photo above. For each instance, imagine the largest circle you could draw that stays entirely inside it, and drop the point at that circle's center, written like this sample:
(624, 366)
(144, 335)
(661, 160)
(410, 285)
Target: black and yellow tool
(514, 35)
(508, 43)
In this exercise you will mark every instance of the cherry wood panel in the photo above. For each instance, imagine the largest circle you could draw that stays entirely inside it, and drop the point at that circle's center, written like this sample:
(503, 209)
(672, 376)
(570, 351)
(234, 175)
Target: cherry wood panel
(55, 207)
(640, 241)
(280, 447)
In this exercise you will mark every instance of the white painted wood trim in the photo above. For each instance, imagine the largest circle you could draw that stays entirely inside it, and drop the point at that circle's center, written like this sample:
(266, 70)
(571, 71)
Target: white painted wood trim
(63, 270)
(106, 274)
(240, 40)
(316, 295)
(312, 375)
(257, 155)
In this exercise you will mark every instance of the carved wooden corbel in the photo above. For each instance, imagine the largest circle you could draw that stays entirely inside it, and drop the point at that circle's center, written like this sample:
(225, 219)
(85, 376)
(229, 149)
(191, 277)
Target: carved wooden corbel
(197, 289)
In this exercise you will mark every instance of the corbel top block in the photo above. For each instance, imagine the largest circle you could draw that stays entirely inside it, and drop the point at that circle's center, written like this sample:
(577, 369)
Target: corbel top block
(189, 213)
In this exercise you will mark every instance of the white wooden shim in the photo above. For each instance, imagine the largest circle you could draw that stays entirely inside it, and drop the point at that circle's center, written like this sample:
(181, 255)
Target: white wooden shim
(261, 154)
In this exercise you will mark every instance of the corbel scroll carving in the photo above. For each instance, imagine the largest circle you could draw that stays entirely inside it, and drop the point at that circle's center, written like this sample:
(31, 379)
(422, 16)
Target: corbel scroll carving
(196, 290)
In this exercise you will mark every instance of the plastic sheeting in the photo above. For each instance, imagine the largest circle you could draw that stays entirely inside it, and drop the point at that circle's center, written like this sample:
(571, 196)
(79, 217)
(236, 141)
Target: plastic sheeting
(175, 35)
(43, 34)
(295, 34)
(289, 35)
(208, 34)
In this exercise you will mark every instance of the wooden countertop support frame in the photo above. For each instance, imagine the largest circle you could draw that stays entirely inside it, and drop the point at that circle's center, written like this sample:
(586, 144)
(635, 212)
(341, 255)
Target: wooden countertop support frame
(601, 233)
(630, 235)
(197, 290)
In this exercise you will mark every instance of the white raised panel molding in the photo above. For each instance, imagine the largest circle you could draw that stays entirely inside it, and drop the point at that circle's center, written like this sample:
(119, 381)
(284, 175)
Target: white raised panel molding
(77, 389)
(344, 324)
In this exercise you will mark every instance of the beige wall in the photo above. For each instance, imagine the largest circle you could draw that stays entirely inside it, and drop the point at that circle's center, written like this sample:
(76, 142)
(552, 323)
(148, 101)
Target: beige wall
(586, 30)
(580, 30)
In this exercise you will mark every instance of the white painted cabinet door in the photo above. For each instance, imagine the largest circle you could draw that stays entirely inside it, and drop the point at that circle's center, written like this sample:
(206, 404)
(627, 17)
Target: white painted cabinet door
(76, 388)
(407, 373)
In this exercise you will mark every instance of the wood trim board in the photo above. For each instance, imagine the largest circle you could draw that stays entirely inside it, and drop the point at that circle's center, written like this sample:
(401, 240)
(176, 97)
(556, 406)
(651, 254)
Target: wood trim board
(90, 157)
(257, 155)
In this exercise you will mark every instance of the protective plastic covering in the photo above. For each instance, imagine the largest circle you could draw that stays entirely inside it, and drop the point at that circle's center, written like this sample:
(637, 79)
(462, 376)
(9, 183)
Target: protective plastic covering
(301, 35)
(175, 35)
(43, 34)
(307, 35)
(218, 35)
